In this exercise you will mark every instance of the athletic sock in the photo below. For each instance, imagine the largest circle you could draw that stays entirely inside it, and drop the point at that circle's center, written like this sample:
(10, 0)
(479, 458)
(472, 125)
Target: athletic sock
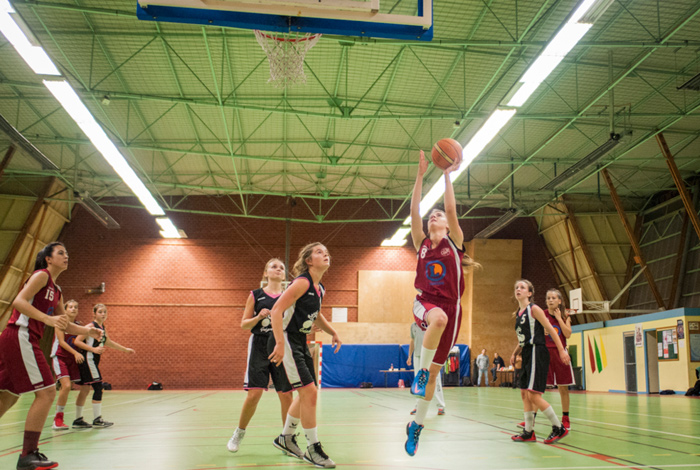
(552, 416)
(290, 425)
(421, 411)
(529, 421)
(311, 436)
(78, 411)
(31, 442)
(565, 413)
(60, 409)
(97, 410)
(426, 357)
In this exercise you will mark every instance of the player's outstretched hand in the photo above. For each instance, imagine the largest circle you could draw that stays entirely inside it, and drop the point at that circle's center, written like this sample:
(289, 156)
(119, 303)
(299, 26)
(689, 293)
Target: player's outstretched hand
(335, 341)
(453, 167)
(564, 356)
(130, 351)
(277, 355)
(422, 164)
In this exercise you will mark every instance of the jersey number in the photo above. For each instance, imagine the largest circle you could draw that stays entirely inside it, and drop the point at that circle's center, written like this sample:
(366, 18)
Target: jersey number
(49, 295)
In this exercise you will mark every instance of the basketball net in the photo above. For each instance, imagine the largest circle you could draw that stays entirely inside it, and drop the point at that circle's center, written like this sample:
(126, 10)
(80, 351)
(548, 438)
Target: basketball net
(286, 55)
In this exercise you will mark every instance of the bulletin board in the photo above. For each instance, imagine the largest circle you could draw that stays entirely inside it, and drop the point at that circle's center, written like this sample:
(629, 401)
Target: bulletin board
(667, 343)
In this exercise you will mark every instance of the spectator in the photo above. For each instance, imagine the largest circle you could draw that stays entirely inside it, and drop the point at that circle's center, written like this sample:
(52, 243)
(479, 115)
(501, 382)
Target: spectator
(482, 363)
(497, 364)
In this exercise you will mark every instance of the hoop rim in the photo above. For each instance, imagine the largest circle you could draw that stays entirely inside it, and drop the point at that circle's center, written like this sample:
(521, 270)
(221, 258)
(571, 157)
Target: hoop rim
(571, 311)
(283, 39)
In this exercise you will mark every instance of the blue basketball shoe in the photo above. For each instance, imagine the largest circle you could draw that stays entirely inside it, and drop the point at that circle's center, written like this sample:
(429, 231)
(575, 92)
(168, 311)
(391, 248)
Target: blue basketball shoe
(413, 431)
(418, 385)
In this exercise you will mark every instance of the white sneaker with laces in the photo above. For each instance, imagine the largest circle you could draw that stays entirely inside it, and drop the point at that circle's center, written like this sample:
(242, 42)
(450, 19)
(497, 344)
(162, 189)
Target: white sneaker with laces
(235, 442)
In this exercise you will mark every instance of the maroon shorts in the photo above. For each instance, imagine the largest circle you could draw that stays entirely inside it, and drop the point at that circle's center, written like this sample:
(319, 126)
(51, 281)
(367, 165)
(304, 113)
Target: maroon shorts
(23, 368)
(559, 373)
(65, 367)
(421, 308)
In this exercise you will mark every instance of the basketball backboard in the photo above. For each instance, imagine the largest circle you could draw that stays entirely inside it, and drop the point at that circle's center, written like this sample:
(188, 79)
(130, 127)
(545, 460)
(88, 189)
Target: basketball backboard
(576, 299)
(363, 18)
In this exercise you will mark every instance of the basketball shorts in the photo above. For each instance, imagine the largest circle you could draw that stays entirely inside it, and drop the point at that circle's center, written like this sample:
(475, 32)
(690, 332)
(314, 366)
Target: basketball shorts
(23, 367)
(64, 366)
(533, 375)
(559, 373)
(90, 369)
(297, 369)
(421, 308)
(259, 368)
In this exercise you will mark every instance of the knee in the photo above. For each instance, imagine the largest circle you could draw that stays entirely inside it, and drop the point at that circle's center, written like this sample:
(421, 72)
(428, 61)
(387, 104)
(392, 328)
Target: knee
(48, 394)
(309, 396)
(438, 319)
(254, 396)
(97, 394)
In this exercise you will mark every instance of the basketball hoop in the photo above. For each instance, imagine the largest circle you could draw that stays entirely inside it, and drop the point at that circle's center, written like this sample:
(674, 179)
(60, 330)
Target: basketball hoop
(571, 311)
(286, 55)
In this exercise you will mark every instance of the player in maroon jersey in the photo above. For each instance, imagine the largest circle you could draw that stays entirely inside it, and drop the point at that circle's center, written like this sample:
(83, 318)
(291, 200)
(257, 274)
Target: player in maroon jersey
(23, 368)
(440, 284)
(65, 360)
(560, 374)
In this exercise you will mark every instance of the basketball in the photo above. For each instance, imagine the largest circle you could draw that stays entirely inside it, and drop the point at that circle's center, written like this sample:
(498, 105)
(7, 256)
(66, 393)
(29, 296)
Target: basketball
(446, 152)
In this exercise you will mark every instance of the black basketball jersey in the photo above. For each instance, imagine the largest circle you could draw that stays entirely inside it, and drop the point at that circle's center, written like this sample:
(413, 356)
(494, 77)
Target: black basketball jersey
(528, 329)
(94, 343)
(263, 300)
(300, 317)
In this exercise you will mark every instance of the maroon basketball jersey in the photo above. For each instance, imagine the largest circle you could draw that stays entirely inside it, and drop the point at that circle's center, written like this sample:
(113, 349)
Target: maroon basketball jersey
(548, 340)
(45, 301)
(439, 272)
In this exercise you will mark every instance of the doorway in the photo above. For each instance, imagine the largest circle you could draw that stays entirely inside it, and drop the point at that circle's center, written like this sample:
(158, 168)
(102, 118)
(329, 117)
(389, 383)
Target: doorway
(652, 361)
(630, 363)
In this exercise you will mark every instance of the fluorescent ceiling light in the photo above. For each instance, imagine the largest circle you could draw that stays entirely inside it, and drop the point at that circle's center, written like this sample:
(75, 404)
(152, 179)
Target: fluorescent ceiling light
(82, 116)
(95, 210)
(692, 84)
(524, 92)
(554, 53)
(399, 238)
(499, 224)
(590, 11)
(584, 163)
(19, 140)
(34, 56)
(169, 229)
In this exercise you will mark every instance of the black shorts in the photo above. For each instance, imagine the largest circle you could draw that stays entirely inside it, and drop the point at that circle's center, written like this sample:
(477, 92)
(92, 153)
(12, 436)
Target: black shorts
(297, 369)
(90, 369)
(259, 369)
(533, 375)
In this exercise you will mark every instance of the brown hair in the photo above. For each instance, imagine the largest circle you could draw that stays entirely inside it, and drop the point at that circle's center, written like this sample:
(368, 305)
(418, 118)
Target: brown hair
(562, 307)
(71, 301)
(467, 261)
(267, 265)
(530, 289)
(97, 306)
(301, 267)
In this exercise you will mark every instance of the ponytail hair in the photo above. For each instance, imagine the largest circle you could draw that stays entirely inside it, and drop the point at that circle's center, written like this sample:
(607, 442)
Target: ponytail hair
(47, 251)
(267, 265)
(531, 290)
(300, 266)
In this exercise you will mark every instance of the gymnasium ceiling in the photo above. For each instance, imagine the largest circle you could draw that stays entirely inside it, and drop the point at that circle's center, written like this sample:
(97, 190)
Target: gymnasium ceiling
(191, 110)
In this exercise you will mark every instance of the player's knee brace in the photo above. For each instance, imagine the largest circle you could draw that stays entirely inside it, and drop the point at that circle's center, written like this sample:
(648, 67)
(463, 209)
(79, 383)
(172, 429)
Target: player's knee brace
(97, 394)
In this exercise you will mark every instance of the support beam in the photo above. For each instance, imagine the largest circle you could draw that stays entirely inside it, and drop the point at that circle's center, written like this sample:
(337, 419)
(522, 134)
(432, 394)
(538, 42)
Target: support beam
(682, 190)
(679, 262)
(6, 159)
(639, 256)
(630, 261)
(586, 252)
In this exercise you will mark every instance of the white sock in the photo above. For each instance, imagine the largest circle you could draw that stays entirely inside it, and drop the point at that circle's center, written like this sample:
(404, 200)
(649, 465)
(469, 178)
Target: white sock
(78, 411)
(97, 410)
(311, 436)
(529, 421)
(421, 411)
(290, 425)
(426, 357)
(552, 416)
(60, 409)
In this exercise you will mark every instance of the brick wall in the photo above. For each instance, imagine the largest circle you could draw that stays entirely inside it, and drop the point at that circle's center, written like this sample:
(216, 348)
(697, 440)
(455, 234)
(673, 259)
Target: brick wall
(178, 303)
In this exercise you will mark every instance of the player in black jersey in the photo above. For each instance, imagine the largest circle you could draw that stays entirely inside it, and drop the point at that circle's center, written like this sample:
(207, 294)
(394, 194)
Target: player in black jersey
(90, 375)
(256, 318)
(530, 325)
(296, 312)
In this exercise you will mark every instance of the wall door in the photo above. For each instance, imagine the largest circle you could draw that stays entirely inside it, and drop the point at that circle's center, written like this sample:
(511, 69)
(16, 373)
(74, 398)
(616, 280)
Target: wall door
(630, 363)
(652, 361)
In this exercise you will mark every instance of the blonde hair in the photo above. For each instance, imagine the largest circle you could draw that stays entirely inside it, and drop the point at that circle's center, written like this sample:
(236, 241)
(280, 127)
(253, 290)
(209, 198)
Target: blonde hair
(267, 265)
(96, 307)
(301, 267)
(71, 301)
(564, 315)
(467, 261)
